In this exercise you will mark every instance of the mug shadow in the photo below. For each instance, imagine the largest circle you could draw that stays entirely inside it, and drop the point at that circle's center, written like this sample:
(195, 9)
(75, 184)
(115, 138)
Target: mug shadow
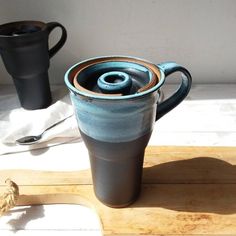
(201, 184)
(58, 93)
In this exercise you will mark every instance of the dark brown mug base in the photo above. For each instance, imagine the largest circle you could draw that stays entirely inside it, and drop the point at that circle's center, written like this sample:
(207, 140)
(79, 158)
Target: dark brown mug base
(116, 169)
(34, 93)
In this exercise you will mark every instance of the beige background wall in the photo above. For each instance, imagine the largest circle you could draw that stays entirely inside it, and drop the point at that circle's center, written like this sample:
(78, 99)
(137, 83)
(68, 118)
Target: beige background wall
(198, 34)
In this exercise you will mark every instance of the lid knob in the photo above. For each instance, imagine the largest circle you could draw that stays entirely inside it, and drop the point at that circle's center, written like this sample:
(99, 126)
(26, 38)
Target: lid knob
(115, 82)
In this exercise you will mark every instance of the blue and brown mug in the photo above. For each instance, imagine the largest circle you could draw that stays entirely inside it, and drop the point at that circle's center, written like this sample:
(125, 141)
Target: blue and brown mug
(116, 105)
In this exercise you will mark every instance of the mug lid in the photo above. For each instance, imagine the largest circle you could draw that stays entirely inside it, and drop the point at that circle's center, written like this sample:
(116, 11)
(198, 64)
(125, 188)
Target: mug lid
(114, 77)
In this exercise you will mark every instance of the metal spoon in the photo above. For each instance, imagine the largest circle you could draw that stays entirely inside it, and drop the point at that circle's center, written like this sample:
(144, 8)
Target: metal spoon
(32, 139)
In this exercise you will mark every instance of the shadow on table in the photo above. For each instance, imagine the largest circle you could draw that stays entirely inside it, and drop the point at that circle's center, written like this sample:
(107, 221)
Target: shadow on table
(201, 184)
(27, 214)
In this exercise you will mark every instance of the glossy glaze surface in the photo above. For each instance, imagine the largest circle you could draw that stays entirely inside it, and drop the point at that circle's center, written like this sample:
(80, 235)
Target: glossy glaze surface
(115, 120)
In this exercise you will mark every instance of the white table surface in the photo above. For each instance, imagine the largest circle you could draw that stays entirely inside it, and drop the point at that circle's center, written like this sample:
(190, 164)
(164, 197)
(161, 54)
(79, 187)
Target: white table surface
(206, 118)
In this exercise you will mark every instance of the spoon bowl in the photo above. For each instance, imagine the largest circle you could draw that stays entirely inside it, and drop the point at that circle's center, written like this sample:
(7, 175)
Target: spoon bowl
(32, 139)
(28, 140)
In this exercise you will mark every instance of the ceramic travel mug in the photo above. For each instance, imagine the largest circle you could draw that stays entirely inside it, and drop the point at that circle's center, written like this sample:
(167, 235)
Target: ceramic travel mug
(115, 101)
(25, 53)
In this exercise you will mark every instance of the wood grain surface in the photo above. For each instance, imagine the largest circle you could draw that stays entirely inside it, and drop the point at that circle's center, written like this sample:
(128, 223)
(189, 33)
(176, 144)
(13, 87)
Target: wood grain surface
(185, 191)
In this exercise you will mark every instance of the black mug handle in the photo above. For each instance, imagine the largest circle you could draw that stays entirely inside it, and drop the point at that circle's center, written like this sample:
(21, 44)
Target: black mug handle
(61, 42)
(179, 95)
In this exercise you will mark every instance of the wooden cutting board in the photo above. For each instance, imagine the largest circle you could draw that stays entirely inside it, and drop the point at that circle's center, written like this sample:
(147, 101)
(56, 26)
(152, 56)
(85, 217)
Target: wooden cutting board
(185, 191)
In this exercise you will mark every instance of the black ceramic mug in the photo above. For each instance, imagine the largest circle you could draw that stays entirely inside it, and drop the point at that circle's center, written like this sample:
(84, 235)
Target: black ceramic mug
(26, 54)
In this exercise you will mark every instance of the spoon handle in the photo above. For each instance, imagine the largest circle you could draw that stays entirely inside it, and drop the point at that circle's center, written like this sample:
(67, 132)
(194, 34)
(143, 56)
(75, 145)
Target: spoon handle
(57, 123)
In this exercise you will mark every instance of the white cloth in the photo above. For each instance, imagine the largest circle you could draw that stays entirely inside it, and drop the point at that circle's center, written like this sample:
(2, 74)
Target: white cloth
(16, 122)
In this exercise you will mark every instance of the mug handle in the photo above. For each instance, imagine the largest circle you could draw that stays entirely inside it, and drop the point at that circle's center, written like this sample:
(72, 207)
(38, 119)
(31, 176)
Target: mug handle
(179, 95)
(61, 42)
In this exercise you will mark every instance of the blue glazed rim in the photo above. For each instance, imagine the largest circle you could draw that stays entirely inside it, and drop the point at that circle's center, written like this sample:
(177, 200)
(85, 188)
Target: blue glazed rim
(139, 62)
